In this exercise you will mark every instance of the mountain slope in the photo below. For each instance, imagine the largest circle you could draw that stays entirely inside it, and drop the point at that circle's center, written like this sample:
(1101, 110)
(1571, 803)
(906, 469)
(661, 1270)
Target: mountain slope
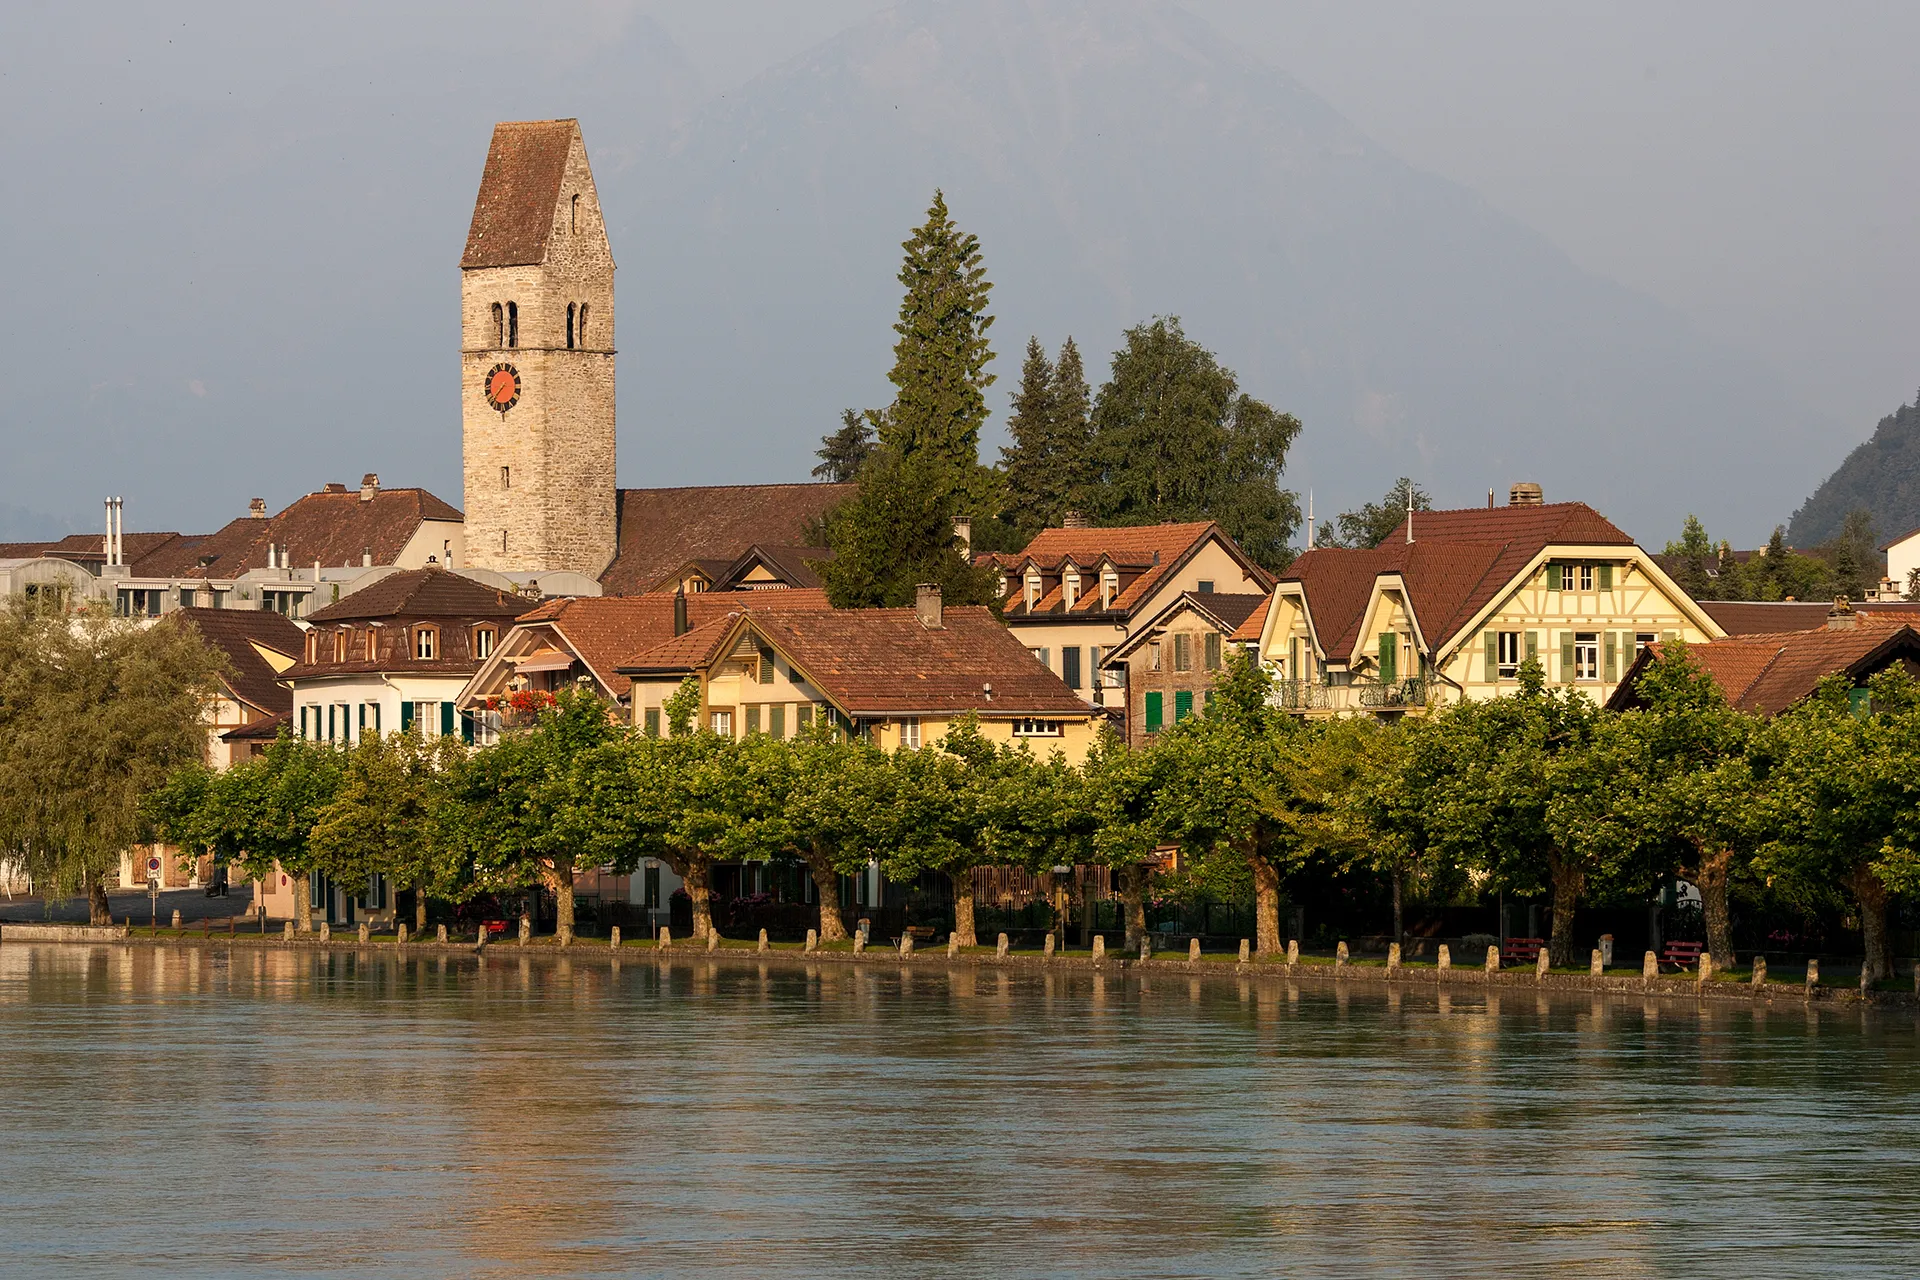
(1882, 475)
(1119, 159)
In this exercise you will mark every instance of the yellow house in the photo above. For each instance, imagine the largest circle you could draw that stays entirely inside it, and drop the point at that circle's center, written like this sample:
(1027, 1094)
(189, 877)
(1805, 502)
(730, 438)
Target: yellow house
(1453, 602)
(900, 677)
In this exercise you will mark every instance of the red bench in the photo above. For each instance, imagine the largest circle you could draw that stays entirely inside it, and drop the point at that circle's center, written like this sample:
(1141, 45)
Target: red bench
(1683, 954)
(494, 928)
(1521, 950)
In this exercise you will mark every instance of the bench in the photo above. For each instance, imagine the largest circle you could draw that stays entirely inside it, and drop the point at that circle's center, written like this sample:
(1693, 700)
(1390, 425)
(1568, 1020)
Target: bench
(1683, 954)
(494, 928)
(918, 932)
(1521, 950)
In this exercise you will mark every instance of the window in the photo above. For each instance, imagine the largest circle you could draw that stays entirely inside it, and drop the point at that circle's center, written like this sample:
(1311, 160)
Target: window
(652, 721)
(370, 717)
(1389, 657)
(333, 724)
(573, 214)
(513, 324)
(1070, 665)
(1109, 588)
(583, 324)
(777, 720)
(1509, 654)
(1293, 671)
(1586, 577)
(313, 647)
(1206, 586)
(376, 892)
(1606, 577)
(506, 481)
(721, 722)
(138, 602)
(803, 717)
(1070, 589)
(1182, 652)
(424, 641)
(1155, 706)
(1586, 656)
(1032, 589)
(753, 719)
(910, 733)
(569, 326)
(290, 604)
(483, 643)
(1611, 671)
(1641, 640)
(1153, 655)
(339, 646)
(1036, 728)
(1043, 657)
(1213, 650)
(766, 665)
(1182, 704)
(499, 326)
(369, 647)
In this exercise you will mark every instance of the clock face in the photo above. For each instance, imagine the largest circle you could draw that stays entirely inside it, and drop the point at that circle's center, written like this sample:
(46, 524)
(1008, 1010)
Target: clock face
(502, 387)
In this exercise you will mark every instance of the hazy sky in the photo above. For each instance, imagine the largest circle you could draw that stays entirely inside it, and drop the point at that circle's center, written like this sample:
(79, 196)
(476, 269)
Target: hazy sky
(1747, 164)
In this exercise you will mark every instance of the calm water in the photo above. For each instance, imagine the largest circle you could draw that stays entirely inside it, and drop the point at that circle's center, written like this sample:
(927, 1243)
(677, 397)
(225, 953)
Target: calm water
(295, 1114)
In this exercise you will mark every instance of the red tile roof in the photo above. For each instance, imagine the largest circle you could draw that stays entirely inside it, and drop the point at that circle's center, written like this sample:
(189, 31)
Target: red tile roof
(1147, 556)
(605, 631)
(1751, 617)
(1256, 623)
(1226, 611)
(235, 633)
(1766, 674)
(519, 193)
(262, 730)
(663, 529)
(335, 528)
(91, 547)
(422, 593)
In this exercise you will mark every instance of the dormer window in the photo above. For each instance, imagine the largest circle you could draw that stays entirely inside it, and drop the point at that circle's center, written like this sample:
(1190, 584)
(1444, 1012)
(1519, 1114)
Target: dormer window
(483, 642)
(1109, 588)
(1033, 590)
(425, 643)
(339, 646)
(313, 647)
(1070, 589)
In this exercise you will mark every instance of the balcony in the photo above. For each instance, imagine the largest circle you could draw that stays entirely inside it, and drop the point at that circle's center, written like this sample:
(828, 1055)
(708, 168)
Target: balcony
(1301, 695)
(1398, 695)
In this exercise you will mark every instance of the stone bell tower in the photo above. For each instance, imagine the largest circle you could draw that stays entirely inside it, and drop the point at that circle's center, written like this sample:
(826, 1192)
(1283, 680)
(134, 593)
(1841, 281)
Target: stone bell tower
(536, 357)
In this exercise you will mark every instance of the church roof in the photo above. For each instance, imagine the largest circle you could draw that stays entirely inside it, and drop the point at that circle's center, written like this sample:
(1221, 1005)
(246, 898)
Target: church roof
(519, 191)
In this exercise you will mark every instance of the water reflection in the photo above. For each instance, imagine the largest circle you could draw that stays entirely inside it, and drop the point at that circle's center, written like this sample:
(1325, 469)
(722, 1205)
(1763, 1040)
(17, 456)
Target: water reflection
(377, 1114)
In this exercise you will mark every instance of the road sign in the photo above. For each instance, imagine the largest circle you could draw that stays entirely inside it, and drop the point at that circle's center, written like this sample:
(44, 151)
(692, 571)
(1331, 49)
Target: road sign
(153, 865)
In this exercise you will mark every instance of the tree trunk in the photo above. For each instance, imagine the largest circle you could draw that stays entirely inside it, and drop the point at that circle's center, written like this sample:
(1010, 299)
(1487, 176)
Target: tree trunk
(1568, 882)
(963, 906)
(303, 902)
(1089, 911)
(1050, 894)
(1872, 896)
(420, 908)
(1133, 898)
(826, 886)
(98, 912)
(1266, 907)
(559, 878)
(1398, 933)
(701, 894)
(1712, 871)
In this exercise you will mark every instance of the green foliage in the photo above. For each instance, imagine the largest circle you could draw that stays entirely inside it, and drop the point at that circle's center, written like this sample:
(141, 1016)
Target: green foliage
(844, 452)
(681, 706)
(389, 812)
(1370, 525)
(1176, 439)
(1049, 467)
(897, 533)
(1710, 571)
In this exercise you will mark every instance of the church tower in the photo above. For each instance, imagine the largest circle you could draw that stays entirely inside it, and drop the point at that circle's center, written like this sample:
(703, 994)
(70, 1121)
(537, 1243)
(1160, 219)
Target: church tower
(536, 356)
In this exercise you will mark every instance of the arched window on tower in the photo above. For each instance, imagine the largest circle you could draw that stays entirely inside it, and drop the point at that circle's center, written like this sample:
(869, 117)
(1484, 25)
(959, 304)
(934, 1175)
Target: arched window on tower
(499, 326)
(513, 324)
(582, 329)
(573, 215)
(569, 326)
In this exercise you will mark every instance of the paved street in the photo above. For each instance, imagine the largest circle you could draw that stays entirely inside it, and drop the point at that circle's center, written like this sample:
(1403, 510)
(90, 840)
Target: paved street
(193, 905)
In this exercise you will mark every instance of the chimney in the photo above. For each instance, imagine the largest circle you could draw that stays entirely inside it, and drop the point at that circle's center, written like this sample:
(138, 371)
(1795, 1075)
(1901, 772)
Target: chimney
(1525, 494)
(963, 534)
(1841, 617)
(257, 508)
(1073, 520)
(366, 556)
(369, 485)
(680, 611)
(926, 605)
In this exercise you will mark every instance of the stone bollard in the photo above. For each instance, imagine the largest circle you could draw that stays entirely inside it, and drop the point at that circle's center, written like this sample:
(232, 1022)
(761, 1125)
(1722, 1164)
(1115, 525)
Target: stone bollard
(326, 933)
(1541, 961)
(1293, 952)
(1000, 948)
(764, 944)
(1866, 983)
(526, 929)
(440, 934)
(480, 938)
(713, 939)
(666, 938)
(1393, 957)
(289, 933)
(400, 934)
(1146, 947)
(953, 945)
(813, 939)
(1046, 949)
(1193, 951)
(1759, 971)
(1340, 956)
(1813, 973)
(1446, 957)
(866, 930)
(564, 935)
(1246, 950)
(906, 944)
(176, 917)
(1100, 948)
(366, 933)
(859, 941)
(1705, 971)
(1493, 959)
(613, 937)
(1596, 964)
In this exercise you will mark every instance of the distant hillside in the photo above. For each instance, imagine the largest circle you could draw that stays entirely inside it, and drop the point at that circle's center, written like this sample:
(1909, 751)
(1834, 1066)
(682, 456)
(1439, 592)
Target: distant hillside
(1882, 475)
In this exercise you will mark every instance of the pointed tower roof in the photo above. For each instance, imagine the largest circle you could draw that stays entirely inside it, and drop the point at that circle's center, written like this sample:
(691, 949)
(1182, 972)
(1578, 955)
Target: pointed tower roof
(519, 191)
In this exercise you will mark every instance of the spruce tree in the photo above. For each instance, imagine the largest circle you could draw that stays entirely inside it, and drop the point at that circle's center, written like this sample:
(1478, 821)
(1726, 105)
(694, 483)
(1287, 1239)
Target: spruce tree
(844, 452)
(1047, 467)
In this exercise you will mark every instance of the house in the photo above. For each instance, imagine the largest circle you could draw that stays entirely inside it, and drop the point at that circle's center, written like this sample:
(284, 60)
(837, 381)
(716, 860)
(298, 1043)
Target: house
(758, 568)
(899, 677)
(565, 642)
(1766, 673)
(1453, 602)
(1769, 617)
(1169, 663)
(718, 537)
(1077, 593)
(1903, 563)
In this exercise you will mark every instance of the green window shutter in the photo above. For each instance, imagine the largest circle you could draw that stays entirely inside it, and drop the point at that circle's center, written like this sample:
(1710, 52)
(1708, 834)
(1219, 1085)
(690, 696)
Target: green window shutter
(777, 720)
(766, 665)
(363, 718)
(406, 717)
(1213, 650)
(1553, 577)
(803, 716)
(466, 727)
(1182, 652)
(1182, 704)
(1612, 670)
(1154, 717)
(1492, 639)
(652, 719)
(1606, 577)
(1389, 653)
(446, 719)
(1566, 655)
(1533, 645)
(753, 719)
(1860, 702)
(1070, 665)
(1207, 702)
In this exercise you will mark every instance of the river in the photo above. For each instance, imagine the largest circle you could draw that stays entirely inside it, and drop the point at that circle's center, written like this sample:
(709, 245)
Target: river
(296, 1113)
